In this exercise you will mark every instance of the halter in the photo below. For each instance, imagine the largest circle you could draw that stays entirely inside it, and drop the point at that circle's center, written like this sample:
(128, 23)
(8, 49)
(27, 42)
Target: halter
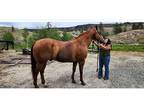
(106, 40)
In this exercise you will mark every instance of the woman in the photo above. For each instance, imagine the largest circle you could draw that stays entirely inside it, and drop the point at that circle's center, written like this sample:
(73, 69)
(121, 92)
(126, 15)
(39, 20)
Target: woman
(104, 58)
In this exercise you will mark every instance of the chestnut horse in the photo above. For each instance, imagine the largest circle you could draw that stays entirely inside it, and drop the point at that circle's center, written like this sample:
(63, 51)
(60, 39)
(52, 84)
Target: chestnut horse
(74, 51)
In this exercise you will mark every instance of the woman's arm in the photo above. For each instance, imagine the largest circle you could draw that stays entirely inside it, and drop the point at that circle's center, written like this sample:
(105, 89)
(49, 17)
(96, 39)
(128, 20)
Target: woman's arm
(108, 47)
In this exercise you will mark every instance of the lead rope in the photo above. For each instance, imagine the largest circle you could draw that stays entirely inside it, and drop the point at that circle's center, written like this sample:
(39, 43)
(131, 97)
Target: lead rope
(98, 58)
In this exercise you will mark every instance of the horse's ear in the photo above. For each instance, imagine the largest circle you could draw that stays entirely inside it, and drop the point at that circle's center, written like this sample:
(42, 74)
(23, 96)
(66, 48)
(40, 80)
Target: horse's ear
(89, 29)
(96, 27)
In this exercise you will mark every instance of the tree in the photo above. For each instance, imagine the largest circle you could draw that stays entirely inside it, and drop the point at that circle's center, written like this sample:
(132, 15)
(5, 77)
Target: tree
(13, 29)
(134, 26)
(140, 25)
(66, 36)
(137, 26)
(49, 25)
(117, 28)
(25, 35)
(124, 29)
(54, 34)
(44, 33)
(30, 41)
(101, 28)
(8, 36)
(125, 25)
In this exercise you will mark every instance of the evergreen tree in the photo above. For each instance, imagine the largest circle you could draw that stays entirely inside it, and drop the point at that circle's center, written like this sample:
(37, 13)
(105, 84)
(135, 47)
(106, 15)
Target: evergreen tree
(101, 28)
(13, 29)
(137, 26)
(117, 28)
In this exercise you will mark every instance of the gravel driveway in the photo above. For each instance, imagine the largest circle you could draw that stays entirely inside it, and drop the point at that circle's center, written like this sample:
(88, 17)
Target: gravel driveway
(126, 71)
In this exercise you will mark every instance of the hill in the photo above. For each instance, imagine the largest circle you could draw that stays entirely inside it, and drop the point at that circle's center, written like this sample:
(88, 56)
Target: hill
(129, 37)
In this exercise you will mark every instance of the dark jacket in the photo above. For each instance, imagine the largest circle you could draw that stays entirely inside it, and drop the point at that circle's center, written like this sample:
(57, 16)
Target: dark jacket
(105, 52)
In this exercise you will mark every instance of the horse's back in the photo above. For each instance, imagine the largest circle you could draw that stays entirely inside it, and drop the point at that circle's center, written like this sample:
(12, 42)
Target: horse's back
(50, 49)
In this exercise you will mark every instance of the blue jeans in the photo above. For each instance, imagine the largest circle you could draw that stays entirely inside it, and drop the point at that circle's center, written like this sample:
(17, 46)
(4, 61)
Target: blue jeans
(104, 61)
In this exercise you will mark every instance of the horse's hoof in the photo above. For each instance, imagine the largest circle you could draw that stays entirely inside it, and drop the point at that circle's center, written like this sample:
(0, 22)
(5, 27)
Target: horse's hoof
(43, 82)
(73, 81)
(83, 83)
(37, 86)
(45, 86)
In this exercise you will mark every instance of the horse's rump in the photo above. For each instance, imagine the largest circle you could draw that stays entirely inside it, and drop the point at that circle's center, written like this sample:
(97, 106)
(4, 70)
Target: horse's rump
(44, 50)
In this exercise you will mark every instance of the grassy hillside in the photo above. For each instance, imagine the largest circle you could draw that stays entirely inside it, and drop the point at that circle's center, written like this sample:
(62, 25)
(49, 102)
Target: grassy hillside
(130, 37)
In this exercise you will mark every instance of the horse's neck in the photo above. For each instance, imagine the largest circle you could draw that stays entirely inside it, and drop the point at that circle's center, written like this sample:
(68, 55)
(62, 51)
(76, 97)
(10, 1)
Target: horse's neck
(86, 39)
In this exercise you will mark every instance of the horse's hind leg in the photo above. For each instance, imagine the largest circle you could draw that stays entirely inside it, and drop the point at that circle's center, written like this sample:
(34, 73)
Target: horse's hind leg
(42, 73)
(35, 74)
(74, 69)
(35, 79)
(81, 65)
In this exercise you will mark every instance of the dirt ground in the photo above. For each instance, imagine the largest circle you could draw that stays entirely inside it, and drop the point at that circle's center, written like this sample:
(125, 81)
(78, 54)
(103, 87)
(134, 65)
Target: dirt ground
(126, 71)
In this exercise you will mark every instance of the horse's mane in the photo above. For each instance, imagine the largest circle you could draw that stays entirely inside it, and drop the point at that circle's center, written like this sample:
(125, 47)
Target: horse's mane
(81, 34)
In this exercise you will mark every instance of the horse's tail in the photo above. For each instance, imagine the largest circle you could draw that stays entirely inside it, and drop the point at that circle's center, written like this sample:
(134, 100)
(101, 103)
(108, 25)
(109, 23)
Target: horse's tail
(33, 62)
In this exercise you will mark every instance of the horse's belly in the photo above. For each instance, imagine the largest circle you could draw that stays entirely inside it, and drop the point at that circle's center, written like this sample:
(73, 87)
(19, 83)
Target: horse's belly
(64, 58)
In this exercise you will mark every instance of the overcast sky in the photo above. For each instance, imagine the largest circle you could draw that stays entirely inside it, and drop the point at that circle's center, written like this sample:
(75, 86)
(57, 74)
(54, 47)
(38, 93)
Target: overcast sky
(64, 13)
(41, 24)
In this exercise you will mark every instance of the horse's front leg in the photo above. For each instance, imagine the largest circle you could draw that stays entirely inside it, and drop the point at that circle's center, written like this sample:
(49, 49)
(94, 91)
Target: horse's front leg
(73, 73)
(81, 65)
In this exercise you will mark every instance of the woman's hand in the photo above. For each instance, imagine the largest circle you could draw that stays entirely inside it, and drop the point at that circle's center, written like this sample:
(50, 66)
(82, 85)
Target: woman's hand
(108, 47)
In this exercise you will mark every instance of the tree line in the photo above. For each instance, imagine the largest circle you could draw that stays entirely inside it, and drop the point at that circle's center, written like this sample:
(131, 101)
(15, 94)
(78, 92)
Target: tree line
(118, 28)
(55, 33)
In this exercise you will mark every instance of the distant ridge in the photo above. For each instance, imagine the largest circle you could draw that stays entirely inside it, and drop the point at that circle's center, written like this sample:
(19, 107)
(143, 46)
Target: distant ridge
(86, 26)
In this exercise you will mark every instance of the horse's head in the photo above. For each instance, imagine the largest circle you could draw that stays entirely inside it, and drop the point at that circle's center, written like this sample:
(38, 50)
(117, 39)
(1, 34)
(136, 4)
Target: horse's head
(95, 35)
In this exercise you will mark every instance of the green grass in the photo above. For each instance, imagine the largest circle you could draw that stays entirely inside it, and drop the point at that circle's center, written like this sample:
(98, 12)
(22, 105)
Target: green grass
(124, 47)
(128, 47)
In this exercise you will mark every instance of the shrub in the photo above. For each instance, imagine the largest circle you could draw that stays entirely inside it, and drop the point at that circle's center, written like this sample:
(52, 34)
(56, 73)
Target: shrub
(25, 34)
(8, 36)
(44, 33)
(66, 36)
(117, 28)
